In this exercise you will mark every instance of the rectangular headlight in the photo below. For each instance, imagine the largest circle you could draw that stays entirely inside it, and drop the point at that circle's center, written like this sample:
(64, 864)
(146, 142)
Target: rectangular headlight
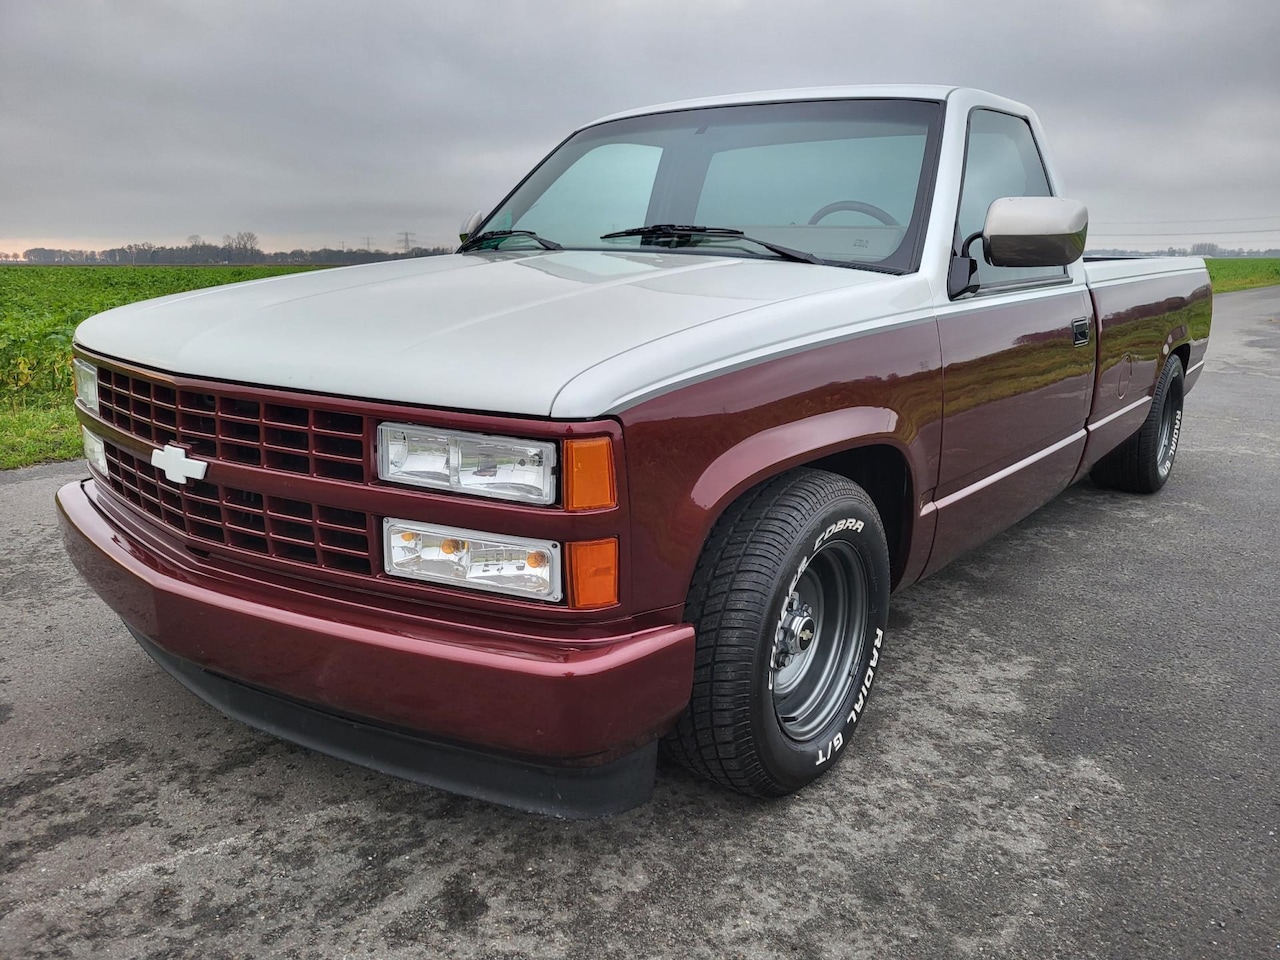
(468, 558)
(86, 377)
(500, 467)
(94, 450)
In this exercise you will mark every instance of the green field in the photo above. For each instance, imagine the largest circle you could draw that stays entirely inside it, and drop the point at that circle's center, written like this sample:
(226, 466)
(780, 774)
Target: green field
(1242, 273)
(40, 307)
(39, 310)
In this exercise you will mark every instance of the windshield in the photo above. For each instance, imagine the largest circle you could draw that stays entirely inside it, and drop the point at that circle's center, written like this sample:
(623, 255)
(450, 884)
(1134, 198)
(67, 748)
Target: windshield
(847, 181)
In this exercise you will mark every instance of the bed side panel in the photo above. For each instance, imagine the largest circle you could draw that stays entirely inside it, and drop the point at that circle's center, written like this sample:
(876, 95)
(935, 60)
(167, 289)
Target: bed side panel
(1141, 320)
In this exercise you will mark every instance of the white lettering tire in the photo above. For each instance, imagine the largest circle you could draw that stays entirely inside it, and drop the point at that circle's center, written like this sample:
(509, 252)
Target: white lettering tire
(790, 600)
(1142, 463)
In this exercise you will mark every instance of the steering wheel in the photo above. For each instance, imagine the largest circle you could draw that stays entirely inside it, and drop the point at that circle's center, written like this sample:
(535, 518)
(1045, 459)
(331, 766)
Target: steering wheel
(857, 206)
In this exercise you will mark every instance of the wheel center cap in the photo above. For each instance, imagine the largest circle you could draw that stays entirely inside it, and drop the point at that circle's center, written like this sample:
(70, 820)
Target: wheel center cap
(798, 630)
(805, 632)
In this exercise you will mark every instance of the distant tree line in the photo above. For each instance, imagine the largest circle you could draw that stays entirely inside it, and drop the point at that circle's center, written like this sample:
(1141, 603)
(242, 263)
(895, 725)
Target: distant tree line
(242, 248)
(1195, 250)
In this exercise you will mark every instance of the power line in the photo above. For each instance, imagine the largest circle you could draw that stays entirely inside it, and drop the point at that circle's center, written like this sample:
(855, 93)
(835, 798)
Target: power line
(1189, 233)
(1116, 223)
(406, 239)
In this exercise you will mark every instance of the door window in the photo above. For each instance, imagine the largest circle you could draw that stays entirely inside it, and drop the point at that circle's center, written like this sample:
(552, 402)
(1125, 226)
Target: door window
(1001, 161)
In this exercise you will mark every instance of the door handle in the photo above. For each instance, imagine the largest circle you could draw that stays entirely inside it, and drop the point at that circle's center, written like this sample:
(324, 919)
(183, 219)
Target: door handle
(1080, 330)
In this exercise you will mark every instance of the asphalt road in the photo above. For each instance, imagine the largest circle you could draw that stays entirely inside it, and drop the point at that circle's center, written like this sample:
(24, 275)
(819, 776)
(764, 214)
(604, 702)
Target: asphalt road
(1074, 752)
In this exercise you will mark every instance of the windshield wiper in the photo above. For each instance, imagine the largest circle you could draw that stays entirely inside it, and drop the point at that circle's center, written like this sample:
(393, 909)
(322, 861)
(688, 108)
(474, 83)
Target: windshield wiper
(472, 242)
(675, 231)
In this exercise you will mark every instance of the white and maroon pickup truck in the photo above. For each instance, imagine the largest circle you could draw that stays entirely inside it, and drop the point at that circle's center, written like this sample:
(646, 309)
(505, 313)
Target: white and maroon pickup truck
(642, 461)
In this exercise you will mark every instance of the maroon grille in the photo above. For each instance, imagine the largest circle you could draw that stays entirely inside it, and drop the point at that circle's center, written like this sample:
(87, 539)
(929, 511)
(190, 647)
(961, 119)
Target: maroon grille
(289, 529)
(219, 426)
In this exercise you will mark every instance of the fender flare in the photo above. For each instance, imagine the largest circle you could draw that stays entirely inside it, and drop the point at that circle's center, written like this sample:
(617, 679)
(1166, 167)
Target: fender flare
(782, 447)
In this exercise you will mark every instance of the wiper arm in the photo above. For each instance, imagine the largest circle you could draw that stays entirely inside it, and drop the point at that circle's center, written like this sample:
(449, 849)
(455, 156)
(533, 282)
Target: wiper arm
(472, 242)
(676, 231)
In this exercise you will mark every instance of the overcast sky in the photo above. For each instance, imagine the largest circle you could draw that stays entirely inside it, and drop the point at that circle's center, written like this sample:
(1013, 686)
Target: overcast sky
(322, 123)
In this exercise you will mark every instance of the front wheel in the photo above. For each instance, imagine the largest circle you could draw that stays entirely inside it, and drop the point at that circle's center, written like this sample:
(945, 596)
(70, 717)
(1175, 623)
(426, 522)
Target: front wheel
(1142, 463)
(790, 600)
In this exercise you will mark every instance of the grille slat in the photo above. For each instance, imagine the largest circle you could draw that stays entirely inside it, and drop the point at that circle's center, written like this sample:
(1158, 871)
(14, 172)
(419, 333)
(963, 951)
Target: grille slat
(270, 526)
(291, 438)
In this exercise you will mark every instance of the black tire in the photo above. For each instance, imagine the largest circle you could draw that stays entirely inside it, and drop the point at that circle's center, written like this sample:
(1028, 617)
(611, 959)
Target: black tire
(770, 711)
(1142, 463)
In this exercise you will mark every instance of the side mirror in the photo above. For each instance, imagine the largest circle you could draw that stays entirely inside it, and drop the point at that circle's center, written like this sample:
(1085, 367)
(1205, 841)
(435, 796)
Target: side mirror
(469, 225)
(1034, 232)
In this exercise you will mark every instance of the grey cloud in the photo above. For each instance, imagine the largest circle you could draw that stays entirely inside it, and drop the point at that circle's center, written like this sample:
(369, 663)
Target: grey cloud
(329, 121)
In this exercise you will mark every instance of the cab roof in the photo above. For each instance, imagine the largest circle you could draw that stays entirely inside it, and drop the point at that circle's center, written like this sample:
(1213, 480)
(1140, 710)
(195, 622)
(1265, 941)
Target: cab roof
(904, 91)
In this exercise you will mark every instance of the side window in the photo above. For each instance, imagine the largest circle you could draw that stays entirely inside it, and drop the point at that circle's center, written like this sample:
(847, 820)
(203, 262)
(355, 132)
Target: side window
(1001, 161)
(606, 189)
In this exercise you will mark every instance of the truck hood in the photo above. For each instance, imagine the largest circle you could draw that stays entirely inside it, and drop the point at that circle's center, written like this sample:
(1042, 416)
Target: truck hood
(573, 334)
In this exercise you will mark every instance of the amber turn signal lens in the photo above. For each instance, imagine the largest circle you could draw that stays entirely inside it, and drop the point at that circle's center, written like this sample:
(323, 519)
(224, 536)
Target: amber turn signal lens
(593, 573)
(589, 482)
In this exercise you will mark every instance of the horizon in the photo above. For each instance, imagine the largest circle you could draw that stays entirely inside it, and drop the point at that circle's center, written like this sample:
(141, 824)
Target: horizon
(1204, 249)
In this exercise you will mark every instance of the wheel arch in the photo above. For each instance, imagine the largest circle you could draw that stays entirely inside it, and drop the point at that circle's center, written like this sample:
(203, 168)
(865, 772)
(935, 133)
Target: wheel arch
(862, 445)
(1183, 353)
(882, 470)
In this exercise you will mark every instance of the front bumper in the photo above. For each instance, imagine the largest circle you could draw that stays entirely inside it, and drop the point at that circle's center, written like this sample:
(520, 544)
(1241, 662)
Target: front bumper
(572, 723)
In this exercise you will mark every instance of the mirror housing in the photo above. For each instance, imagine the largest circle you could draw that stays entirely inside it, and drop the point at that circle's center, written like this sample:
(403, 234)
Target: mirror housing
(1034, 232)
(469, 225)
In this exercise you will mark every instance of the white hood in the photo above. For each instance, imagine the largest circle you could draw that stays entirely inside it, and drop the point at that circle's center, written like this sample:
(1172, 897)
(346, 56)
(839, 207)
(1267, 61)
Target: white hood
(572, 334)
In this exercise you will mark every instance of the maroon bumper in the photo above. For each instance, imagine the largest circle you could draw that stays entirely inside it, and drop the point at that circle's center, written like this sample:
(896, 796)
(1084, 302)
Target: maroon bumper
(530, 696)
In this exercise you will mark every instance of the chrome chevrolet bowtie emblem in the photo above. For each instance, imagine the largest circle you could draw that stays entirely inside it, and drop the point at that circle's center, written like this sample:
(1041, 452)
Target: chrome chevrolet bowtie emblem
(177, 466)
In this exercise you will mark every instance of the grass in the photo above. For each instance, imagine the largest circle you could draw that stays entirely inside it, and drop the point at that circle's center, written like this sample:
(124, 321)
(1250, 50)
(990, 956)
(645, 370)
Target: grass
(40, 307)
(39, 310)
(35, 434)
(1243, 273)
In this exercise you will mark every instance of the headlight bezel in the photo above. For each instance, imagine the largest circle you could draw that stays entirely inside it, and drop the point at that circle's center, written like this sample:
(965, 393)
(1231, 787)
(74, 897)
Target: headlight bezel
(451, 479)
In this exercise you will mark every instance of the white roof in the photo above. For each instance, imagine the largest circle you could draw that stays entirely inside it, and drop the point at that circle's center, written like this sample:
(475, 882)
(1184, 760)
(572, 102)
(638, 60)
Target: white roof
(909, 91)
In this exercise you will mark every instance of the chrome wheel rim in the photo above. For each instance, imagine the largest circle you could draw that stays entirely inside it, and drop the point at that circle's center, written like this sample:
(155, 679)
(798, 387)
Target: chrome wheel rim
(811, 677)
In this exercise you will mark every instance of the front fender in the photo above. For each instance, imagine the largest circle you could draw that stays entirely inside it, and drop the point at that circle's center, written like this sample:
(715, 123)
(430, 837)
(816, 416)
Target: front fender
(692, 451)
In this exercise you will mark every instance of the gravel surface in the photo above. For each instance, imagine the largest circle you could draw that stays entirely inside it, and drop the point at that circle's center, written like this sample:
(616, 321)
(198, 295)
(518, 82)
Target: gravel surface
(1074, 751)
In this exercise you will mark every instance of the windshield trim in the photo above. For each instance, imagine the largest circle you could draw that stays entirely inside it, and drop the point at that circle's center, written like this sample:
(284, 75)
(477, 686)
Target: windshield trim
(695, 251)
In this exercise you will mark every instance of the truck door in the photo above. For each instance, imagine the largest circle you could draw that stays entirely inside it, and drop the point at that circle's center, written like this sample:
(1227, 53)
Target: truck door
(1018, 360)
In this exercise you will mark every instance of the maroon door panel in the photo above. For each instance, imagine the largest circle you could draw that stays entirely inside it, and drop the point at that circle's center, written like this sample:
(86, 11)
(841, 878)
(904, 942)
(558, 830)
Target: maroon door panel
(1016, 388)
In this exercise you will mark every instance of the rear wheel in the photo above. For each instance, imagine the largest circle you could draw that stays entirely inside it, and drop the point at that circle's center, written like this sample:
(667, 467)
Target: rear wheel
(790, 600)
(1142, 463)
